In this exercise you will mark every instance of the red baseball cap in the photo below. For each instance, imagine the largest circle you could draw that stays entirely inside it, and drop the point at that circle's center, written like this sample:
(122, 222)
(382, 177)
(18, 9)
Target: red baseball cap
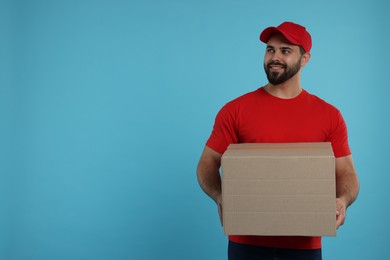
(294, 33)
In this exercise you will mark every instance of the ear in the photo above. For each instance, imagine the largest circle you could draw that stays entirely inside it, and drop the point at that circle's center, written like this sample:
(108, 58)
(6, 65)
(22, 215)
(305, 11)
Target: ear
(305, 59)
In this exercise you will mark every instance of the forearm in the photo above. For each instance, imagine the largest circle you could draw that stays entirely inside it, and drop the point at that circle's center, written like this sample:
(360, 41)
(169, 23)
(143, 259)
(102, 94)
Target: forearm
(208, 173)
(209, 180)
(347, 187)
(347, 183)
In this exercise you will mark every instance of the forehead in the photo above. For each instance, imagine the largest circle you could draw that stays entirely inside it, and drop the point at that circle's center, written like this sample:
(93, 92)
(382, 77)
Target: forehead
(278, 40)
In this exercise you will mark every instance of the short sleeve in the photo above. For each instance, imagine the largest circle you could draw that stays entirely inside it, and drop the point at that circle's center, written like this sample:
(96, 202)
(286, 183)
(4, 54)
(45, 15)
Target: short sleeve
(339, 136)
(224, 130)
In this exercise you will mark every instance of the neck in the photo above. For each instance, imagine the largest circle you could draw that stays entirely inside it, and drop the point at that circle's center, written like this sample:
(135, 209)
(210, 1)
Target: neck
(288, 89)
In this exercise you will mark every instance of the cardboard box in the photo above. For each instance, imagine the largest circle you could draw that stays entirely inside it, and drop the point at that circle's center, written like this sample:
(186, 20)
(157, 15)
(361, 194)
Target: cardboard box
(283, 189)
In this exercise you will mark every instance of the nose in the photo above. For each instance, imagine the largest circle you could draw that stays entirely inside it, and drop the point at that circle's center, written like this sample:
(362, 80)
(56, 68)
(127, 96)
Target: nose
(276, 56)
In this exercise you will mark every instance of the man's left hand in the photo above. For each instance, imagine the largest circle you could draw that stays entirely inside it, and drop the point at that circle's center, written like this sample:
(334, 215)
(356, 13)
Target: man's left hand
(341, 210)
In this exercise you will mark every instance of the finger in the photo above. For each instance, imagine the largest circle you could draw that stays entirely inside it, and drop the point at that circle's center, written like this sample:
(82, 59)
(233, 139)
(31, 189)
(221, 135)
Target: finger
(340, 220)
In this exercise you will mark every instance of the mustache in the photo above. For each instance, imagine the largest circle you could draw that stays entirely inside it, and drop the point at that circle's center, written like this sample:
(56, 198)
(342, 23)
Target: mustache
(276, 63)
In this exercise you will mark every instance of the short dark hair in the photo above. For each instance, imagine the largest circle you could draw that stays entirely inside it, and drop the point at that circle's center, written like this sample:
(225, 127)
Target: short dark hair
(302, 50)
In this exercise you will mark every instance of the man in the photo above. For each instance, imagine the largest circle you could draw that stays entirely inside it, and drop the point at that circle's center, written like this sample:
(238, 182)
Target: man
(280, 112)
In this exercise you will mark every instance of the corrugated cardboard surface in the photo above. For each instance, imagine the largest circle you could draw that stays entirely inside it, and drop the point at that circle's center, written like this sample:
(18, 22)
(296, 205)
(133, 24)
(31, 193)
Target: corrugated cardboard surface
(279, 189)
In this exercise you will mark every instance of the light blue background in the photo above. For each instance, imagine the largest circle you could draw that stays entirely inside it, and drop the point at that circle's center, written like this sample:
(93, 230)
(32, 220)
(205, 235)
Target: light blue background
(106, 105)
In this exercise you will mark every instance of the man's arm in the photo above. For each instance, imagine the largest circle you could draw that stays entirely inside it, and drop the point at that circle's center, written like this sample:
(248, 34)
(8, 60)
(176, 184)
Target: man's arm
(209, 177)
(347, 187)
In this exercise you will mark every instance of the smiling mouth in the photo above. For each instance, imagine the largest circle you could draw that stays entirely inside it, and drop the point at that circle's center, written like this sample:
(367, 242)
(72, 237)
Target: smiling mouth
(276, 67)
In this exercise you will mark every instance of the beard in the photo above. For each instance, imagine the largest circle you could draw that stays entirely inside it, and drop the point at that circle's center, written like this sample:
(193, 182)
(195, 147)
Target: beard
(276, 78)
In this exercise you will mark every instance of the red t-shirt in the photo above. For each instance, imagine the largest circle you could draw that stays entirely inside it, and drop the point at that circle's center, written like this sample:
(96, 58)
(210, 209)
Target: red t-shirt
(259, 117)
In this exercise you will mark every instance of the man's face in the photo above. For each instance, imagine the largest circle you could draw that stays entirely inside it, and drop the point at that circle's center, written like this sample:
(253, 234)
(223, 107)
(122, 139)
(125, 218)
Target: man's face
(282, 60)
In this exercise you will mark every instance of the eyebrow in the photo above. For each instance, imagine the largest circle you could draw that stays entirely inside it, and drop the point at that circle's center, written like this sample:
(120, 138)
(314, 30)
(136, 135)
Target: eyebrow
(282, 48)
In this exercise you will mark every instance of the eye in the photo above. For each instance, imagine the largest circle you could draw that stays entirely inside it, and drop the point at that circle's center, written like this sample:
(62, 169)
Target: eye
(270, 50)
(286, 51)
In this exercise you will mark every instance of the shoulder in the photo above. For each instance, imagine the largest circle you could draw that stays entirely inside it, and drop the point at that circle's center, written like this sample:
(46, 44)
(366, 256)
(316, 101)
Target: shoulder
(245, 99)
(242, 103)
(321, 103)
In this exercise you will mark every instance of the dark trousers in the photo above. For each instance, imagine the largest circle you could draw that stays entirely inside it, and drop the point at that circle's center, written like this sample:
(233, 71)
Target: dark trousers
(249, 252)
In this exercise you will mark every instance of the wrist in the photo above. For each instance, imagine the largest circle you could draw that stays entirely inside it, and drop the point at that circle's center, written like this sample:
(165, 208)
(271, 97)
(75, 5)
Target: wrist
(217, 198)
(344, 200)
